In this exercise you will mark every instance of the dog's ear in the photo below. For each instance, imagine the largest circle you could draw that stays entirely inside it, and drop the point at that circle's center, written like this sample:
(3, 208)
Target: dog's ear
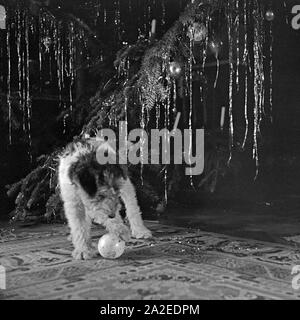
(88, 181)
(85, 177)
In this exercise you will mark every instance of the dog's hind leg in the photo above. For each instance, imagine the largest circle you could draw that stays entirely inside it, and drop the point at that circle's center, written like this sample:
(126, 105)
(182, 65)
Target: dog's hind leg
(80, 225)
(133, 212)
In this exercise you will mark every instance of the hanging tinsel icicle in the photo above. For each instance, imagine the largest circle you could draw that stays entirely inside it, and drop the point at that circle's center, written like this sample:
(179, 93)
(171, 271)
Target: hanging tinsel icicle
(24, 78)
(237, 33)
(40, 50)
(163, 18)
(231, 75)
(218, 69)
(59, 56)
(98, 12)
(245, 63)
(157, 115)
(28, 97)
(118, 18)
(21, 62)
(174, 86)
(72, 59)
(271, 70)
(205, 47)
(18, 47)
(167, 108)
(104, 16)
(147, 16)
(190, 86)
(130, 6)
(9, 84)
(142, 139)
(204, 57)
(286, 13)
(258, 78)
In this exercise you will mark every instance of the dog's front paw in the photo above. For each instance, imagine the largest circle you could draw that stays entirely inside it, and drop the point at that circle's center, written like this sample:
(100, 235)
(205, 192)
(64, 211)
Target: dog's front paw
(80, 254)
(124, 233)
(141, 232)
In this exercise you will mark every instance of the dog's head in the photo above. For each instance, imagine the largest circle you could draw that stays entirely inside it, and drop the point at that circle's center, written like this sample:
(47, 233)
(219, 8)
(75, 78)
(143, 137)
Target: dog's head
(99, 183)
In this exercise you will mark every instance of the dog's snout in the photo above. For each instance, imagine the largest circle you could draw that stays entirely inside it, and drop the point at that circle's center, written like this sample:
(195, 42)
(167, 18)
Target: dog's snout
(111, 215)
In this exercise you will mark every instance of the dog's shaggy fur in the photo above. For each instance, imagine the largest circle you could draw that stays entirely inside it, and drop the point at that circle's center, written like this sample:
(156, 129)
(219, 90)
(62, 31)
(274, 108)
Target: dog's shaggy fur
(91, 193)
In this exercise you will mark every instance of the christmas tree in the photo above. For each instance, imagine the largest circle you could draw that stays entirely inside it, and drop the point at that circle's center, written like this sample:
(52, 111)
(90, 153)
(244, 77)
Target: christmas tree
(60, 52)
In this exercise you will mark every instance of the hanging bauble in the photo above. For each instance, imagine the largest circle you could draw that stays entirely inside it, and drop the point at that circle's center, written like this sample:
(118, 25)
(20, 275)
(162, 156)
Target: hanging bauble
(197, 32)
(2, 18)
(270, 16)
(175, 69)
(215, 46)
(47, 42)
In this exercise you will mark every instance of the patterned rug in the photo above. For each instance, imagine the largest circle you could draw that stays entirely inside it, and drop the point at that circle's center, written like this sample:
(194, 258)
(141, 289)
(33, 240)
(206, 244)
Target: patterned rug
(176, 264)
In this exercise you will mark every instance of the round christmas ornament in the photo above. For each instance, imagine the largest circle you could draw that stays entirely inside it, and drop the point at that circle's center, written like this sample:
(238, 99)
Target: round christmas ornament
(270, 16)
(215, 46)
(175, 69)
(197, 32)
(111, 246)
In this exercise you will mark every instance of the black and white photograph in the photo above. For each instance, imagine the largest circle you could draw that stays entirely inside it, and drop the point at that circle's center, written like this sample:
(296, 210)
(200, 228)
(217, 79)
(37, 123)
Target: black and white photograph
(149, 151)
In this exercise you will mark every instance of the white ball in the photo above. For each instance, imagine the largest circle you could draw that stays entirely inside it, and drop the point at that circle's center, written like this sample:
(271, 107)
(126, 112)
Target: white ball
(111, 246)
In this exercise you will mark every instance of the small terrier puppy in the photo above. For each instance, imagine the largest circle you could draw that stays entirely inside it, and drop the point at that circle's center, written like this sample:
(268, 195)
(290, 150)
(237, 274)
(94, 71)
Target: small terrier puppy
(91, 193)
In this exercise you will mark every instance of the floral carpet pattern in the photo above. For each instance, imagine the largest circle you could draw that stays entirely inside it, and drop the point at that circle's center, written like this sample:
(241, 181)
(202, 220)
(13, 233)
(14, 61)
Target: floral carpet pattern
(177, 263)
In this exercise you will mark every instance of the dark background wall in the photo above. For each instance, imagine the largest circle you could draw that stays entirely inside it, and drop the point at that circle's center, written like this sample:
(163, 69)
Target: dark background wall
(286, 81)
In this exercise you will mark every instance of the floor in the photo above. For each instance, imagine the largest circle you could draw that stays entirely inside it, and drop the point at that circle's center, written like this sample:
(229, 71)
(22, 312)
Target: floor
(226, 250)
(178, 263)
